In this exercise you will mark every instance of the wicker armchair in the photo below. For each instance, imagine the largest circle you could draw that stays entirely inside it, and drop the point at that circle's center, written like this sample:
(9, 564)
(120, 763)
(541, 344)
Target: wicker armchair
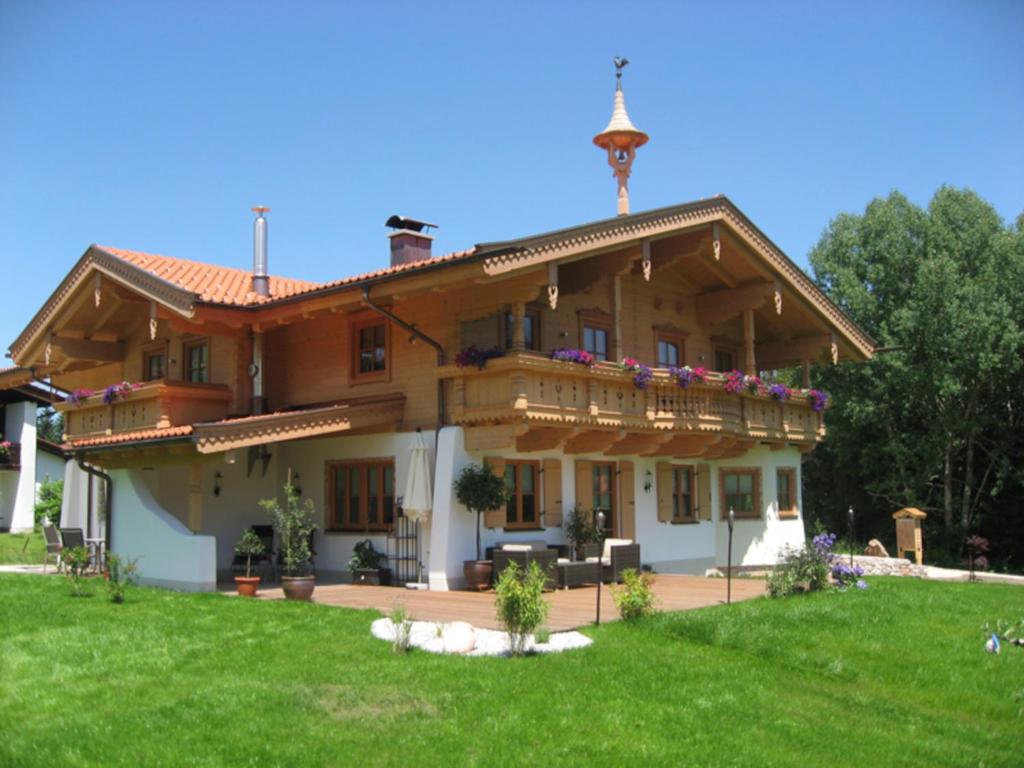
(615, 559)
(545, 558)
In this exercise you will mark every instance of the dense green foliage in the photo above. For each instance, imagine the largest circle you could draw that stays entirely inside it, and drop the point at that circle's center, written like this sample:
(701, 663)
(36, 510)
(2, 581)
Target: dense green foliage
(519, 600)
(120, 574)
(935, 420)
(48, 501)
(50, 425)
(634, 598)
(75, 561)
(478, 489)
(293, 525)
(896, 675)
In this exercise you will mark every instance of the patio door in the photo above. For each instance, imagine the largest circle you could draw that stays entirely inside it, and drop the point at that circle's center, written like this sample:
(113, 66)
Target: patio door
(627, 501)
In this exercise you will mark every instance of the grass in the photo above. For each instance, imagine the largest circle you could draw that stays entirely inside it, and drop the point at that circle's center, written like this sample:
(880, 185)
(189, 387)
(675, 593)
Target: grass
(896, 675)
(21, 548)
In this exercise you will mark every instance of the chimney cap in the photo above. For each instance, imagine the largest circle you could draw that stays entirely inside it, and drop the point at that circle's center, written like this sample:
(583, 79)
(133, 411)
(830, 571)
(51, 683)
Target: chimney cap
(402, 222)
(260, 209)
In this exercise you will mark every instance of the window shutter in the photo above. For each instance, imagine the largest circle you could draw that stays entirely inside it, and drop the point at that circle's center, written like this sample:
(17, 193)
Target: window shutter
(495, 518)
(664, 492)
(585, 484)
(703, 492)
(627, 491)
(552, 493)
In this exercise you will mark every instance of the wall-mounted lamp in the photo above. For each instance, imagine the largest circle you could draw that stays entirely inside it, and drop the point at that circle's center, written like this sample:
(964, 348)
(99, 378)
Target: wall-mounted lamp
(216, 483)
(648, 481)
(230, 457)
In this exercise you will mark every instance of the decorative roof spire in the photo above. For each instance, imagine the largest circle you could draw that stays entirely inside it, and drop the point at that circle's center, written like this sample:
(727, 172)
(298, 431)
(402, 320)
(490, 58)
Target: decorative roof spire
(621, 139)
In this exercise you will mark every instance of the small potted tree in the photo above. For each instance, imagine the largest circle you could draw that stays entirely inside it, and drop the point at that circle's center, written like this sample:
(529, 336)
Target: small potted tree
(249, 546)
(479, 490)
(580, 530)
(368, 566)
(293, 525)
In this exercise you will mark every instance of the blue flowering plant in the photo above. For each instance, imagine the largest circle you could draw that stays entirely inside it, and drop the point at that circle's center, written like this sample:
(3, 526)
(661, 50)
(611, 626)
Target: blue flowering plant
(685, 376)
(579, 356)
(642, 374)
(846, 575)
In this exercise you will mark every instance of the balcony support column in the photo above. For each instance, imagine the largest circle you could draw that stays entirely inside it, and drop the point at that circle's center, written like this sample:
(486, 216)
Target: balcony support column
(806, 366)
(749, 363)
(519, 326)
(617, 316)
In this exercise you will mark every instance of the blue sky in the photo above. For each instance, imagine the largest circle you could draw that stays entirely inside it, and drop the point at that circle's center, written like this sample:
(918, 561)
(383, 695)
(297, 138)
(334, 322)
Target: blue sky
(156, 126)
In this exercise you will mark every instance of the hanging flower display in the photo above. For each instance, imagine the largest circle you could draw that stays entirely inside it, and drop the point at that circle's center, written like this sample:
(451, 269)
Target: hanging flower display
(476, 357)
(580, 356)
(780, 392)
(115, 392)
(79, 395)
(686, 375)
(819, 400)
(643, 373)
(734, 381)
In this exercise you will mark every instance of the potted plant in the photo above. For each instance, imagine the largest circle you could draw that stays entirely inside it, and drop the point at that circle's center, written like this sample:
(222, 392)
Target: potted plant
(293, 525)
(580, 530)
(368, 566)
(249, 546)
(479, 490)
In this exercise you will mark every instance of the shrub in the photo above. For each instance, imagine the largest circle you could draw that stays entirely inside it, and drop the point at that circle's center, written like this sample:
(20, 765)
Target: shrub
(542, 636)
(120, 573)
(48, 501)
(249, 546)
(403, 629)
(805, 569)
(520, 603)
(75, 561)
(293, 526)
(634, 599)
(366, 558)
(580, 529)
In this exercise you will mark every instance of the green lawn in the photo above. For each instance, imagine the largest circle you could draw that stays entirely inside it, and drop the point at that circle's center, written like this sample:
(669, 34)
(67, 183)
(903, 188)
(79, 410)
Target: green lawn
(21, 548)
(896, 675)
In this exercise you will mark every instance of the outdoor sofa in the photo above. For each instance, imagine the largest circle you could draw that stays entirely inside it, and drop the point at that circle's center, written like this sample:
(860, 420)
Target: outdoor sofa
(616, 556)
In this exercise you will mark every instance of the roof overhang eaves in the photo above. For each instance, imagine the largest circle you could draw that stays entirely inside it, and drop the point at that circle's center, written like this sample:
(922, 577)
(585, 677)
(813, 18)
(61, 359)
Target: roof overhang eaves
(97, 259)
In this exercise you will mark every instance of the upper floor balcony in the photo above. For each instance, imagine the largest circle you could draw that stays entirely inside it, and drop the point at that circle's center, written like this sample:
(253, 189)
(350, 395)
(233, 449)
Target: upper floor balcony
(537, 403)
(150, 406)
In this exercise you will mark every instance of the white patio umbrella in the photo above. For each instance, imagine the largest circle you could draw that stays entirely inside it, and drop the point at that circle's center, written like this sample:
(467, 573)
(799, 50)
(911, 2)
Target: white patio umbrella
(417, 502)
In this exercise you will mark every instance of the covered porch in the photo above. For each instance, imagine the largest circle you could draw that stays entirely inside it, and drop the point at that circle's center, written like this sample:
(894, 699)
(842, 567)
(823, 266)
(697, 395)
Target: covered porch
(569, 609)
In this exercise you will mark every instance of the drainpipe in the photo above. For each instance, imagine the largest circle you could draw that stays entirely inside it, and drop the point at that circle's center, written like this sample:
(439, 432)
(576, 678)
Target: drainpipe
(367, 301)
(108, 482)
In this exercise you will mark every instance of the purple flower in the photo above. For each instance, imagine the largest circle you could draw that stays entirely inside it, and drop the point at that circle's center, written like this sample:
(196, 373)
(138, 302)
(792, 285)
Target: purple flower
(780, 392)
(580, 356)
(686, 375)
(861, 584)
(643, 376)
(76, 397)
(111, 393)
(734, 382)
(819, 400)
(474, 356)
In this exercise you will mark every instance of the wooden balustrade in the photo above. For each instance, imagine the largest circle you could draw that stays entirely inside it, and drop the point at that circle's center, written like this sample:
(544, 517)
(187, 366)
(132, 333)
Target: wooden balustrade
(154, 405)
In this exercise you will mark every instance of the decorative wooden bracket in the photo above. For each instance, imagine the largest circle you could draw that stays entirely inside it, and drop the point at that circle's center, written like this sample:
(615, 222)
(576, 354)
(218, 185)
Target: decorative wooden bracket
(553, 285)
(646, 260)
(97, 290)
(152, 321)
(716, 242)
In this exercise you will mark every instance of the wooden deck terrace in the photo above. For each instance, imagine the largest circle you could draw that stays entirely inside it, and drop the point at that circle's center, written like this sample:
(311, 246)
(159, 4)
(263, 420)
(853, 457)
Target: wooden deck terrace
(569, 608)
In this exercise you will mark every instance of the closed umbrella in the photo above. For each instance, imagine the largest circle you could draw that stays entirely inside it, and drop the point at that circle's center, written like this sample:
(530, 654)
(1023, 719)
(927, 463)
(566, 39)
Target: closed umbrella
(417, 501)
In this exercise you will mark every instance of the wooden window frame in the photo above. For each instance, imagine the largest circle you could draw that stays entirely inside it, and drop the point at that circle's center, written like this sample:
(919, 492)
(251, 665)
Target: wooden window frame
(331, 512)
(611, 523)
(792, 510)
(154, 350)
(187, 345)
(670, 337)
(599, 321)
(677, 497)
(755, 474)
(517, 497)
(733, 351)
(358, 324)
(506, 318)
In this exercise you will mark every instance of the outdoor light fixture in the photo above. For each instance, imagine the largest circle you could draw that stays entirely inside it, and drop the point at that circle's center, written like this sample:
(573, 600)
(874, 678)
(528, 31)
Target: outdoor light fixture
(728, 567)
(850, 535)
(648, 481)
(230, 457)
(216, 483)
(599, 522)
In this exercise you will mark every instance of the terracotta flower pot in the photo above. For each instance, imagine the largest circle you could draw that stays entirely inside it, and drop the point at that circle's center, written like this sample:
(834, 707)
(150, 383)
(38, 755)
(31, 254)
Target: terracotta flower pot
(298, 587)
(247, 585)
(478, 573)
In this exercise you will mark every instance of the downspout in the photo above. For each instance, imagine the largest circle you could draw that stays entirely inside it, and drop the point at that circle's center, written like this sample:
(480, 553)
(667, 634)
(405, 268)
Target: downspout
(367, 301)
(108, 495)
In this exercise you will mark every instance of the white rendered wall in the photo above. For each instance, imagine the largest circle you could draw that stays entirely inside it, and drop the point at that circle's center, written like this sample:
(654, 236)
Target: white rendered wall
(8, 495)
(20, 427)
(168, 554)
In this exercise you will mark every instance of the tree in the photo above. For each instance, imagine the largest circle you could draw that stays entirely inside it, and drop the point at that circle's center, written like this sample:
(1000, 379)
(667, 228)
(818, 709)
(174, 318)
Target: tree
(50, 424)
(478, 489)
(934, 420)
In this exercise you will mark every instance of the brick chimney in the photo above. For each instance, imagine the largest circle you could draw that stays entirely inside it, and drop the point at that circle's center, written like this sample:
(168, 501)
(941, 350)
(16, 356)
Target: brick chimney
(409, 241)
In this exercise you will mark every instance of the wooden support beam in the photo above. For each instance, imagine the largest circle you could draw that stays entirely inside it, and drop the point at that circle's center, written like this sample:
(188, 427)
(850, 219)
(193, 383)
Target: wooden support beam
(89, 349)
(749, 360)
(688, 446)
(593, 441)
(738, 449)
(617, 316)
(544, 438)
(639, 444)
(780, 354)
(718, 306)
(721, 448)
(493, 437)
(577, 276)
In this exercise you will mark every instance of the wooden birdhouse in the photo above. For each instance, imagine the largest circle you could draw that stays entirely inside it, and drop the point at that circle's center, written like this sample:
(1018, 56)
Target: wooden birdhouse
(908, 532)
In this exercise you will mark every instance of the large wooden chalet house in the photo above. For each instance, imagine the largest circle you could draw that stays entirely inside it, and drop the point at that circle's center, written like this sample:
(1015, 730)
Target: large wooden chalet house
(244, 380)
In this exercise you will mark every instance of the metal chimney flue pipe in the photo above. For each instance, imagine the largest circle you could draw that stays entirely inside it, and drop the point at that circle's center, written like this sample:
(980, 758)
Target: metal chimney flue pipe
(260, 280)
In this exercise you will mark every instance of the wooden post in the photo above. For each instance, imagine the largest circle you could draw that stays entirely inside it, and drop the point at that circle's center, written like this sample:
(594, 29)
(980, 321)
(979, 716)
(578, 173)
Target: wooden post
(195, 498)
(518, 326)
(617, 316)
(749, 363)
(806, 365)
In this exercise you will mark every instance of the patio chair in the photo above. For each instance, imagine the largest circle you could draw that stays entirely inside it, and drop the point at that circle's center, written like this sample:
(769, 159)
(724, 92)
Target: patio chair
(53, 546)
(522, 555)
(75, 537)
(617, 556)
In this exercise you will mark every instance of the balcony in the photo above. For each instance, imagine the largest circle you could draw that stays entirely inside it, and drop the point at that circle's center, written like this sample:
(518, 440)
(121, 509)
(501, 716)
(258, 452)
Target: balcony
(540, 404)
(152, 406)
(10, 456)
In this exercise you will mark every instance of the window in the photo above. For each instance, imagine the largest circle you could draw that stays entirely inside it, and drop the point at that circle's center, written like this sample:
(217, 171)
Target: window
(197, 361)
(669, 348)
(361, 495)
(531, 329)
(370, 349)
(604, 494)
(595, 341)
(741, 491)
(785, 491)
(522, 509)
(725, 359)
(682, 495)
(154, 365)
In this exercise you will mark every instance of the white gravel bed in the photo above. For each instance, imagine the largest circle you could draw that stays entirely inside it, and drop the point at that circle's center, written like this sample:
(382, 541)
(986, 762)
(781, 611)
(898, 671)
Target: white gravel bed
(460, 638)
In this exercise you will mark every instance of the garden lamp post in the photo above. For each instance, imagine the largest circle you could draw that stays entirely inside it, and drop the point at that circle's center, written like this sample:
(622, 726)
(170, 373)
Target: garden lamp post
(728, 567)
(599, 522)
(850, 515)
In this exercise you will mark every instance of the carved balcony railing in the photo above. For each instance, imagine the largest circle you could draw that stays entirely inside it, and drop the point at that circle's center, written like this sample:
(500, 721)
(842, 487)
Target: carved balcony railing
(154, 405)
(533, 392)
